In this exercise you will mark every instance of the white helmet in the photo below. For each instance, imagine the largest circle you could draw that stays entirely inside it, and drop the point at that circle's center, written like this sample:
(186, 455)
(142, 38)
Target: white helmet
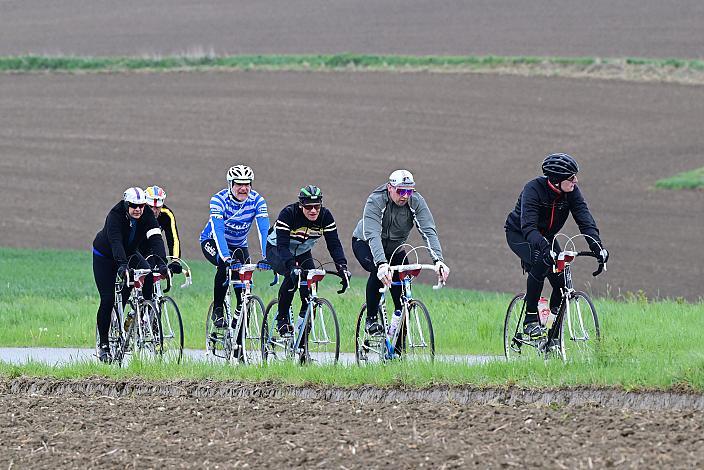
(134, 195)
(155, 196)
(402, 179)
(240, 174)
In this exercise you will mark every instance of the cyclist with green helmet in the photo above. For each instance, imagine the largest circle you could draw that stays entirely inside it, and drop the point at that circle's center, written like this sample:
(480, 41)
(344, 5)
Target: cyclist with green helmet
(299, 226)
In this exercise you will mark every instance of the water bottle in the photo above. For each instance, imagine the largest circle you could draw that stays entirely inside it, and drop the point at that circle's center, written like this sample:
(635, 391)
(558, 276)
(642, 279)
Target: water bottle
(393, 326)
(543, 310)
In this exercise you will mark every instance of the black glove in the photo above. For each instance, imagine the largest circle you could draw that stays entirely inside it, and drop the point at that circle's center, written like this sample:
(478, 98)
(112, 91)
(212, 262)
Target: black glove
(344, 278)
(163, 270)
(121, 271)
(549, 256)
(294, 275)
(601, 253)
(176, 267)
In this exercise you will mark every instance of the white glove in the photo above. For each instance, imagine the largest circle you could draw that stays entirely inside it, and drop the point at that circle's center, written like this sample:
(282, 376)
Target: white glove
(442, 270)
(384, 274)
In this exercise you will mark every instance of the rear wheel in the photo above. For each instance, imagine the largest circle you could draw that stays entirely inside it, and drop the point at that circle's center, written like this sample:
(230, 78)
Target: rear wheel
(172, 329)
(321, 340)
(274, 347)
(514, 343)
(580, 334)
(368, 349)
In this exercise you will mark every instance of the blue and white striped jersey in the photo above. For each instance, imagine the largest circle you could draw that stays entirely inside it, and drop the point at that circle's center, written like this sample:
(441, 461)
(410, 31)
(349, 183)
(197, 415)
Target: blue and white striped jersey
(231, 220)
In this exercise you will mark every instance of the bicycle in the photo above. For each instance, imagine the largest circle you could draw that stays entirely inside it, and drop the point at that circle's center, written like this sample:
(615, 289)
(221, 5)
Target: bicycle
(317, 336)
(116, 331)
(170, 314)
(238, 339)
(575, 326)
(414, 336)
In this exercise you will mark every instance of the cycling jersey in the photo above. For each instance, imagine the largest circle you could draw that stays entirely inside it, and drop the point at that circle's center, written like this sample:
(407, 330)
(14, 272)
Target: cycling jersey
(167, 222)
(385, 225)
(230, 221)
(293, 234)
(542, 210)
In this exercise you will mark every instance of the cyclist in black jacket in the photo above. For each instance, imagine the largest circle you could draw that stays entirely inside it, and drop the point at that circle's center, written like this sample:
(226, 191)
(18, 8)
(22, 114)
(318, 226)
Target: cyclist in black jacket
(156, 198)
(115, 251)
(289, 244)
(542, 209)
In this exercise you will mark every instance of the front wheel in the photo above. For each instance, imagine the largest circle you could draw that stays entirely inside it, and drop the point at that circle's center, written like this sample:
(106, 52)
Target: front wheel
(416, 339)
(580, 336)
(172, 329)
(514, 342)
(321, 340)
(255, 319)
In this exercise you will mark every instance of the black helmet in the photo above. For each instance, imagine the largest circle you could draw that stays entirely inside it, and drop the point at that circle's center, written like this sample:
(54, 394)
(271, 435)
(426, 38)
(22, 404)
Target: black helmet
(310, 195)
(559, 166)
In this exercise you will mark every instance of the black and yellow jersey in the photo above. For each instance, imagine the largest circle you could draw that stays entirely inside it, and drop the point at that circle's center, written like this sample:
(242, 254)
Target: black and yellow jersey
(167, 223)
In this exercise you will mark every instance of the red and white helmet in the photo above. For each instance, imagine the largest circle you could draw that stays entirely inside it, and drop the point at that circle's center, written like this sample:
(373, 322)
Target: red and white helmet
(155, 196)
(134, 195)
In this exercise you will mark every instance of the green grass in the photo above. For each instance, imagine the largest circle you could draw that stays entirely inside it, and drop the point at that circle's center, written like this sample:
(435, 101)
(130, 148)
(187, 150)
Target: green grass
(49, 299)
(687, 180)
(31, 63)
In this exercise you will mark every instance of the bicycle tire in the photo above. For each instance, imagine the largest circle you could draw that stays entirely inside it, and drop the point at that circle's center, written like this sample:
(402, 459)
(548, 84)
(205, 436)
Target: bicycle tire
(368, 349)
(513, 334)
(217, 340)
(273, 347)
(171, 329)
(416, 340)
(255, 319)
(150, 340)
(580, 334)
(321, 341)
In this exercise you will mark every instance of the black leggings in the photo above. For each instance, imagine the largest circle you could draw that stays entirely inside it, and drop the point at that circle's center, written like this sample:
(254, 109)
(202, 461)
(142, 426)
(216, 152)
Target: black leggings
(105, 274)
(364, 255)
(537, 269)
(210, 251)
(303, 261)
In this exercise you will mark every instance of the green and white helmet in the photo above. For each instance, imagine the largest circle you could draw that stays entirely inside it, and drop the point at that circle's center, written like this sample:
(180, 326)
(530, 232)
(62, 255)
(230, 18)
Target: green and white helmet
(310, 195)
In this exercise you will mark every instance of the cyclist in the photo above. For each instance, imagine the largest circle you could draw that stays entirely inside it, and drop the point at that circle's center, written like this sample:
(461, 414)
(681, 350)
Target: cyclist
(156, 197)
(389, 214)
(298, 227)
(542, 209)
(233, 210)
(127, 225)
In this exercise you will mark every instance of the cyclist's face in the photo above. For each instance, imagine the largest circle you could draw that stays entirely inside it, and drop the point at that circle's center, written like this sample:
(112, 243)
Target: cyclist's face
(241, 191)
(400, 196)
(155, 210)
(135, 211)
(567, 186)
(311, 211)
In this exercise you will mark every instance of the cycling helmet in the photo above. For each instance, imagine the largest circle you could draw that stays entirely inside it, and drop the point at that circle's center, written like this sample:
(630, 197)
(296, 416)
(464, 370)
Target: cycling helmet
(559, 166)
(402, 179)
(155, 196)
(310, 195)
(240, 174)
(134, 196)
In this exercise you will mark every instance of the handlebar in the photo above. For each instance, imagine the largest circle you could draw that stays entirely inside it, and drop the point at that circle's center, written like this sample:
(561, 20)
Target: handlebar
(602, 266)
(302, 271)
(416, 268)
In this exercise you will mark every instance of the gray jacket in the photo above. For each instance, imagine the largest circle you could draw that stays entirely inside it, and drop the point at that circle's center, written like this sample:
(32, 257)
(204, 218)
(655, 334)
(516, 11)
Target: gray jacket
(385, 222)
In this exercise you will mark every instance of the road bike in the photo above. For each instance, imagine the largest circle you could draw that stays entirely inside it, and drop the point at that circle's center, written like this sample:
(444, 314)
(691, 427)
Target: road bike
(239, 338)
(574, 331)
(170, 314)
(414, 337)
(316, 336)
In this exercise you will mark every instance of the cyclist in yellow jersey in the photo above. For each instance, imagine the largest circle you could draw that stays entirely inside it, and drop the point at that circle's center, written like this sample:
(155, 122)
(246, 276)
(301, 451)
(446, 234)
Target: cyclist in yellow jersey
(156, 197)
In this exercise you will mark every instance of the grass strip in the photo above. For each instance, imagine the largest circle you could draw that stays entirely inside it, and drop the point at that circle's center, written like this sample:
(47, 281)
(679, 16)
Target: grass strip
(687, 180)
(35, 63)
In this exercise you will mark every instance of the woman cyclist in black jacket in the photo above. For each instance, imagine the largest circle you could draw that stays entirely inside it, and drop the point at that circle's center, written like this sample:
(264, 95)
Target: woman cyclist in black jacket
(127, 225)
(542, 209)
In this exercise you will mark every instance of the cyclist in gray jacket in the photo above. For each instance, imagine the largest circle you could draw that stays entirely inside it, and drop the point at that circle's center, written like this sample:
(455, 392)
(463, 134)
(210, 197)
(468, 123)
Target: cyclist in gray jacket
(389, 214)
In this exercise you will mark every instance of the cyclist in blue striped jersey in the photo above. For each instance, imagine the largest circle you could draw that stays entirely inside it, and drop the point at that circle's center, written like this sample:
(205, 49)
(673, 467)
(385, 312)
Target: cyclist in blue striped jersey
(224, 238)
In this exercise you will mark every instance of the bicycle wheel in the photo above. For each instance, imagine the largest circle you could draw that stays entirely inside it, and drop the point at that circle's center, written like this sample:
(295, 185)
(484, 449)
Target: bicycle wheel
(274, 348)
(116, 338)
(368, 349)
(580, 335)
(321, 340)
(217, 340)
(172, 329)
(255, 319)
(514, 343)
(416, 340)
(149, 341)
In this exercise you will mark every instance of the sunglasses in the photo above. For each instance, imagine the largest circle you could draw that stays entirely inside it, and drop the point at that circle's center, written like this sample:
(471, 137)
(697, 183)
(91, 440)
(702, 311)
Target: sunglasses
(310, 207)
(404, 192)
(572, 178)
(135, 206)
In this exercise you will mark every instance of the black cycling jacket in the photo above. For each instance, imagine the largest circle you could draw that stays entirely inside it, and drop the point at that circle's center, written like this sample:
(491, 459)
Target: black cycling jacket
(112, 241)
(542, 210)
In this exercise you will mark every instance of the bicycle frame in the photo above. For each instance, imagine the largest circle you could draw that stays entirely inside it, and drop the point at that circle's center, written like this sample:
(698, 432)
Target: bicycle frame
(244, 281)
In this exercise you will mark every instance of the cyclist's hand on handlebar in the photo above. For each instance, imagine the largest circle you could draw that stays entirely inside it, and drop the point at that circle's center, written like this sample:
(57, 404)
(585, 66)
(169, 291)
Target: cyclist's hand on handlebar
(549, 257)
(176, 267)
(163, 269)
(263, 264)
(123, 272)
(234, 263)
(442, 270)
(602, 256)
(344, 279)
(384, 274)
(294, 275)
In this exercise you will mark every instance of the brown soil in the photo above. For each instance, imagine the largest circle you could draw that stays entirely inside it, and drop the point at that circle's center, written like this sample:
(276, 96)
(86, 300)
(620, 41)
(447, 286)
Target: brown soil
(148, 430)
